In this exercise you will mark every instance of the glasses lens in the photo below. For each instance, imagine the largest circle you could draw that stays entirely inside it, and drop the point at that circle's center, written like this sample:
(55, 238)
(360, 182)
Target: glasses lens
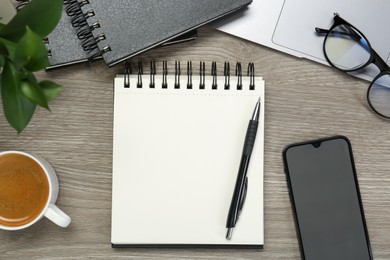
(379, 95)
(346, 48)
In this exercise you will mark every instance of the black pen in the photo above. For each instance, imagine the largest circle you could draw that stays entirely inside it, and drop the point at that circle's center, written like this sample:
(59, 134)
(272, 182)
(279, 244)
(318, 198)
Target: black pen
(241, 187)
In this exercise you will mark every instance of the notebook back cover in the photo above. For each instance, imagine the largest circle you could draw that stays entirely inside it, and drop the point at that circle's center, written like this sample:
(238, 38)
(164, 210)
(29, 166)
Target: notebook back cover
(131, 27)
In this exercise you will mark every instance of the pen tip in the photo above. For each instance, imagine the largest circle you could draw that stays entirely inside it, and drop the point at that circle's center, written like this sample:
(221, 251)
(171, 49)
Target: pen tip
(229, 233)
(256, 111)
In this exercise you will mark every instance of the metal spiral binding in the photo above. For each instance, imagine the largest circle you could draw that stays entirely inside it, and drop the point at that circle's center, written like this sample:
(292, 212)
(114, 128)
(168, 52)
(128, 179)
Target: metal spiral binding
(89, 42)
(239, 75)
(251, 75)
(165, 74)
(202, 75)
(21, 4)
(100, 52)
(73, 7)
(214, 84)
(189, 75)
(226, 74)
(152, 74)
(140, 72)
(127, 74)
(86, 32)
(177, 74)
(46, 42)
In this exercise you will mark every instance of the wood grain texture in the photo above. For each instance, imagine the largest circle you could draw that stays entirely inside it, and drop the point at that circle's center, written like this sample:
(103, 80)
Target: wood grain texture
(304, 100)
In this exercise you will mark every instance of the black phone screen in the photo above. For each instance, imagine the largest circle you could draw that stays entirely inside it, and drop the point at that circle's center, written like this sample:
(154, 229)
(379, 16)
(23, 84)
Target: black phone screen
(326, 200)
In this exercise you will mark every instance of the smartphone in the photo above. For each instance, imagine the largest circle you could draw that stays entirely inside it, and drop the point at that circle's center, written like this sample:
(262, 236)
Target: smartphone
(325, 198)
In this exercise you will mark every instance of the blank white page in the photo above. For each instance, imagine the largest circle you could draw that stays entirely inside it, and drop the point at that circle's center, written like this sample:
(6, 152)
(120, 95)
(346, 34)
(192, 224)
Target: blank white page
(176, 156)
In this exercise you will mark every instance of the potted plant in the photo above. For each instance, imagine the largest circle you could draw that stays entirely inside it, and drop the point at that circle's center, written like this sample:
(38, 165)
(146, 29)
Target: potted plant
(23, 52)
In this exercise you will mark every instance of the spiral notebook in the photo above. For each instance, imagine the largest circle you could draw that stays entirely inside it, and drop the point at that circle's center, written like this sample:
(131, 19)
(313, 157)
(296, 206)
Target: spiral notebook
(122, 29)
(66, 48)
(65, 43)
(177, 143)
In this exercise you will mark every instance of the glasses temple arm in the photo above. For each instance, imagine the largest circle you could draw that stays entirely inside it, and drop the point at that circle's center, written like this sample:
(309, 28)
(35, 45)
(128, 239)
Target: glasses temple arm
(382, 65)
(353, 35)
(320, 30)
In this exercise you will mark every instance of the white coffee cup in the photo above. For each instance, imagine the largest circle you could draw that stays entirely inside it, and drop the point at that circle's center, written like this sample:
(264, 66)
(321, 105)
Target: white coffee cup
(50, 210)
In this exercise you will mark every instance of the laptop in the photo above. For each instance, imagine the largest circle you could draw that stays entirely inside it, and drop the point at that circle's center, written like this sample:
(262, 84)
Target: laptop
(7, 11)
(288, 26)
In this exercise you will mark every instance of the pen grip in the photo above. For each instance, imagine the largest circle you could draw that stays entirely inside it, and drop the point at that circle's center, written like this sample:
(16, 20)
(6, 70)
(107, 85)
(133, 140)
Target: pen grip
(250, 137)
(239, 193)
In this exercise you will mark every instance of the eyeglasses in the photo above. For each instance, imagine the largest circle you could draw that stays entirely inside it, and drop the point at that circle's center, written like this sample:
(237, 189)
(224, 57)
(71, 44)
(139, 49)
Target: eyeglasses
(347, 49)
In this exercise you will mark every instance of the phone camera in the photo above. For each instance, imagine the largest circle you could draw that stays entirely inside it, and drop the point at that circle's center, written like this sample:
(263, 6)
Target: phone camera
(317, 144)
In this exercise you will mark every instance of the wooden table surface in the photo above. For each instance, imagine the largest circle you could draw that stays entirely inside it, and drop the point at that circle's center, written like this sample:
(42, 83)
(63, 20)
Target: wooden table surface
(304, 100)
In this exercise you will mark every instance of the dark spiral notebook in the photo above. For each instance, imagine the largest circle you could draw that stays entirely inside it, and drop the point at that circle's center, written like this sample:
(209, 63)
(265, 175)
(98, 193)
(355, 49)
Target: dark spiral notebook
(65, 47)
(65, 43)
(118, 30)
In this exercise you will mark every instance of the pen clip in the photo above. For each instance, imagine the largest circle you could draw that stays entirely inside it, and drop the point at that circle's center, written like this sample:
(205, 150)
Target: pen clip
(243, 196)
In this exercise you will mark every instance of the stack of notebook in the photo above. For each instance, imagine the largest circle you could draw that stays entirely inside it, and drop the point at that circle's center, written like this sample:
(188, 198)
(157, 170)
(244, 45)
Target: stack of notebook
(116, 31)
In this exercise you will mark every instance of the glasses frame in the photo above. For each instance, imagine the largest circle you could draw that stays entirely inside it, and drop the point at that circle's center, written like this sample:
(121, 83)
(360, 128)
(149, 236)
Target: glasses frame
(375, 59)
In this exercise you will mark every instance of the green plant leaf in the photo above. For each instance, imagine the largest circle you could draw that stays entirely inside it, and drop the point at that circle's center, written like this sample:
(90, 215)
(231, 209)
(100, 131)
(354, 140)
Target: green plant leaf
(33, 92)
(41, 16)
(50, 89)
(2, 62)
(18, 110)
(3, 50)
(31, 52)
(7, 48)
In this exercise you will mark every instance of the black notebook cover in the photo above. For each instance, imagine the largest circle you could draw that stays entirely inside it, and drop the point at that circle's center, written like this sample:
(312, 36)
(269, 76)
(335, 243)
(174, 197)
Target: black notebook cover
(127, 28)
(65, 48)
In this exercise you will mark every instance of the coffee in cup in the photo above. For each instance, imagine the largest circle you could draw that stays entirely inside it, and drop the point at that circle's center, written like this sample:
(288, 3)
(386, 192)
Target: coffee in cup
(28, 191)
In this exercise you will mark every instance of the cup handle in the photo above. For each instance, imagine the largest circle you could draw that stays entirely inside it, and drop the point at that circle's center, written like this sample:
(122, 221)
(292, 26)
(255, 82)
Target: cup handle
(57, 216)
